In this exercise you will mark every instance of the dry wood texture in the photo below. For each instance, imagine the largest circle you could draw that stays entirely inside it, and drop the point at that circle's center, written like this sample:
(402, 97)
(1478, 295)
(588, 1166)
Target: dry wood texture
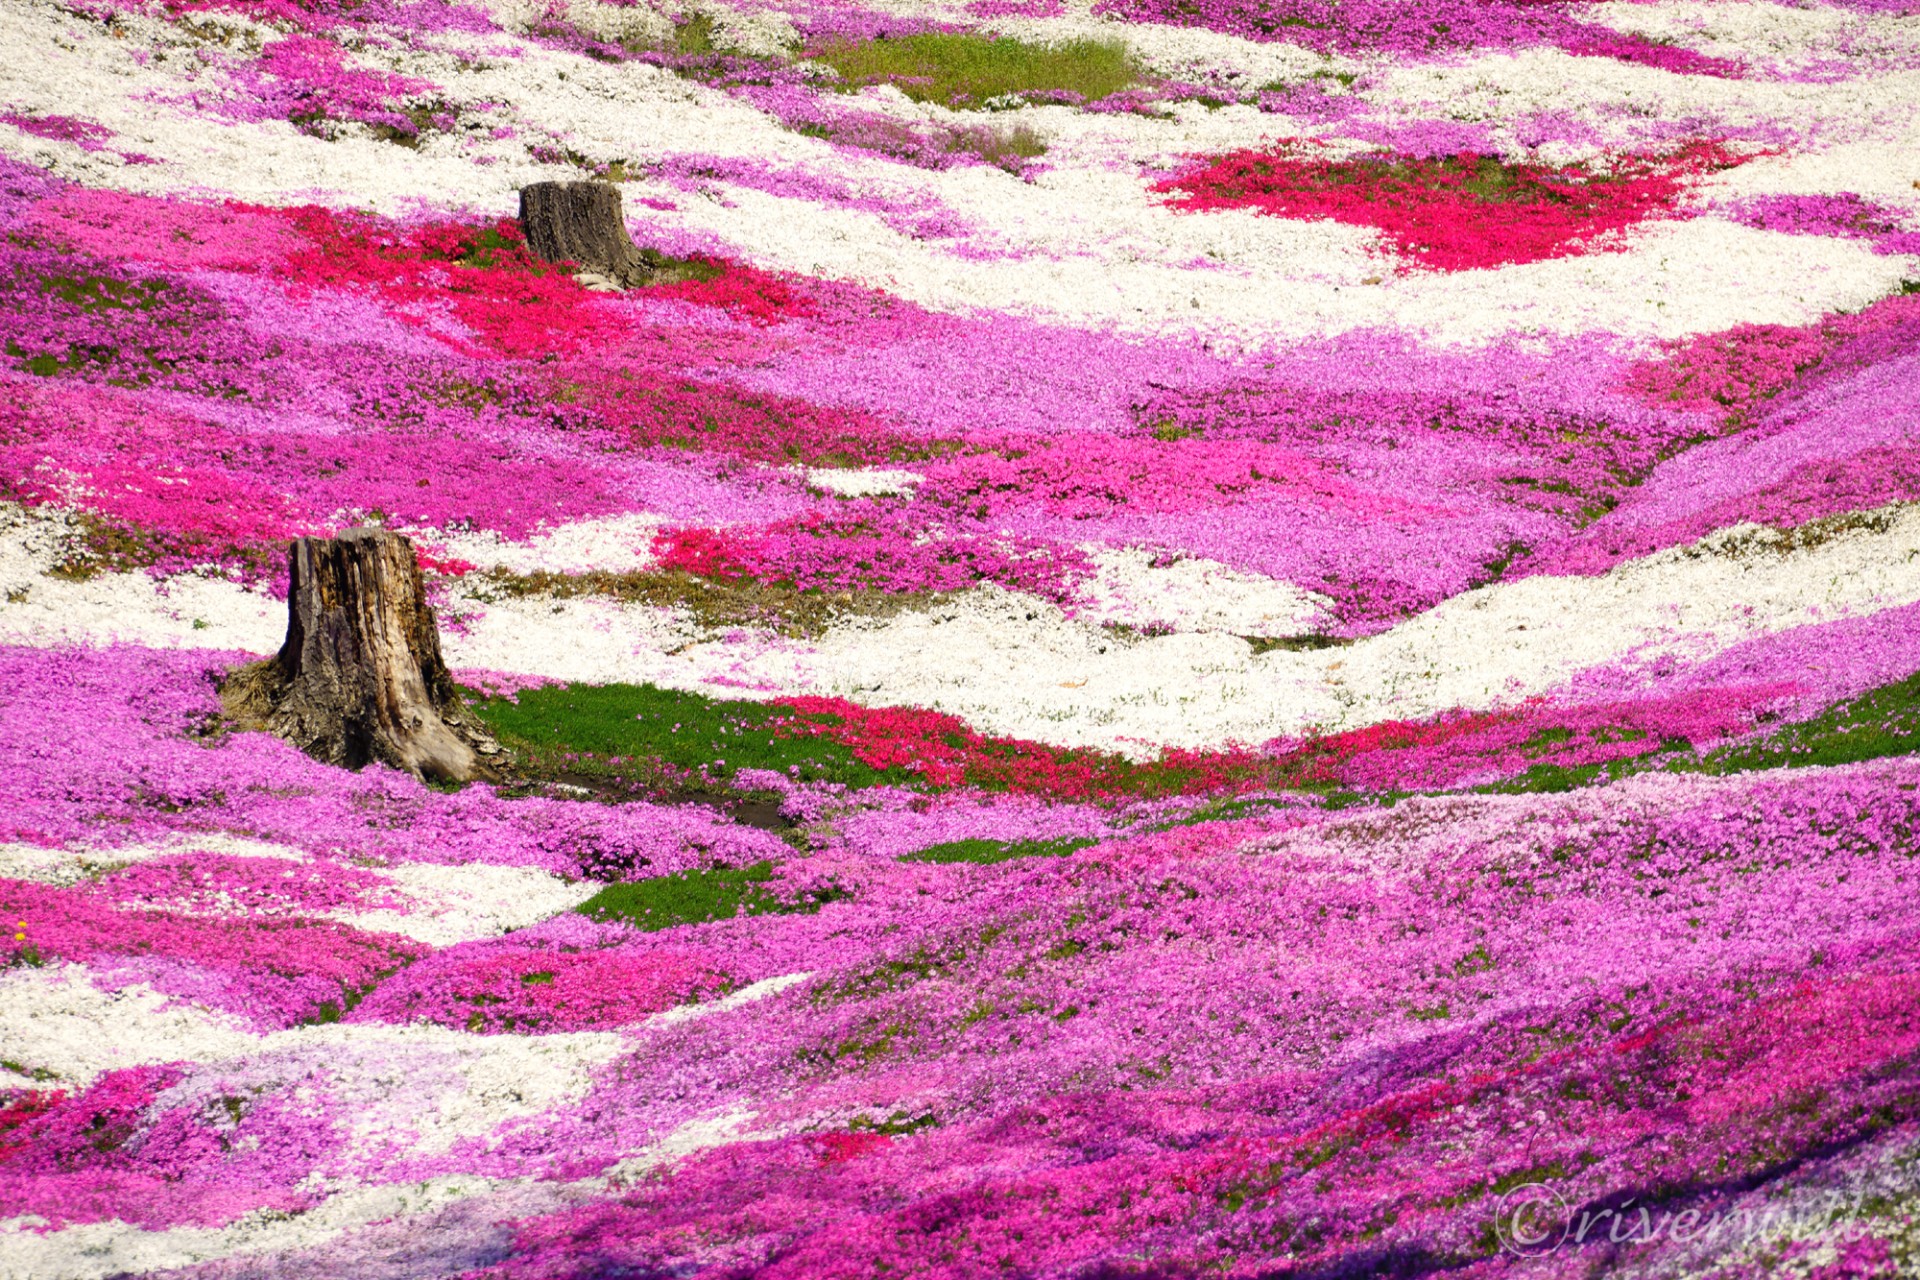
(581, 222)
(360, 677)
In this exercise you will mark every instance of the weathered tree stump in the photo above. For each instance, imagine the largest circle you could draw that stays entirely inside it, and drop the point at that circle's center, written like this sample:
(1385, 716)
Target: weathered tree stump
(582, 222)
(360, 676)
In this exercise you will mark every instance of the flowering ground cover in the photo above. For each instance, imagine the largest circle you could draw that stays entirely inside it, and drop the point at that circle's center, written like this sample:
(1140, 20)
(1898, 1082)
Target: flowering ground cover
(1234, 637)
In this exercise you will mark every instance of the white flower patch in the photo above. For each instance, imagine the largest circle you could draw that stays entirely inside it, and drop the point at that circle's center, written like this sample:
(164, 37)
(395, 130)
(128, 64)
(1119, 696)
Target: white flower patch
(744, 996)
(437, 904)
(1086, 241)
(54, 1020)
(572, 639)
(404, 1210)
(1618, 100)
(190, 611)
(638, 24)
(470, 1085)
(1757, 30)
(762, 33)
(1675, 279)
(1882, 171)
(75, 68)
(1017, 666)
(33, 540)
(73, 864)
(96, 1250)
(402, 1092)
(1139, 588)
(868, 482)
(450, 904)
(611, 544)
(1131, 263)
(693, 1136)
(1012, 664)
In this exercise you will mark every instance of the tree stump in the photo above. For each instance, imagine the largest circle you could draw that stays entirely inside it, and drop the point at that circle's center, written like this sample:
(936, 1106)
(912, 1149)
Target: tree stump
(581, 222)
(360, 676)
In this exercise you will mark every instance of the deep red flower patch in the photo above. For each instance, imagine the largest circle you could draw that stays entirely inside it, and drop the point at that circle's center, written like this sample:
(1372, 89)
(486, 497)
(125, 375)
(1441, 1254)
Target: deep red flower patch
(1449, 750)
(484, 274)
(514, 304)
(1455, 213)
(945, 752)
(747, 292)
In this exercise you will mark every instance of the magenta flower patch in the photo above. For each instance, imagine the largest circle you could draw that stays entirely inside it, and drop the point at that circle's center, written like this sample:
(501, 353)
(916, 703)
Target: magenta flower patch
(1247, 638)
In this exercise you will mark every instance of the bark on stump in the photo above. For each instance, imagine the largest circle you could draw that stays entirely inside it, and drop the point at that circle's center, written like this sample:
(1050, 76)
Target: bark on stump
(360, 677)
(581, 222)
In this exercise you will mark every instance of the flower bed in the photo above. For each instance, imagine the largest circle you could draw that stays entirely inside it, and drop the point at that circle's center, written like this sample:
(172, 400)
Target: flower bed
(1251, 639)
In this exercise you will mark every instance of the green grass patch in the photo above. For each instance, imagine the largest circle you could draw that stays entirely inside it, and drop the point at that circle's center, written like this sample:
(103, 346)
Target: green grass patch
(696, 897)
(969, 71)
(898, 1124)
(987, 852)
(95, 294)
(1294, 644)
(1003, 148)
(661, 741)
(1552, 777)
(1881, 722)
(39, 1075)
(696, 37)
(1007, 149)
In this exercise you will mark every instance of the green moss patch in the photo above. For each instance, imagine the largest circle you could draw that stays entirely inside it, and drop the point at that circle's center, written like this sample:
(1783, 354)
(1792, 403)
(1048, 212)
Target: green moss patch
(991, 851)
(697, 897)
(1881, 722)
(1007, 149)
(661, 743)
(969, 71)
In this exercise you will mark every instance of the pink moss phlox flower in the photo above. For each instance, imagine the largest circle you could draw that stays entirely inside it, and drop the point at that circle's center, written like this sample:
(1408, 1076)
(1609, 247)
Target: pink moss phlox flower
(118, 1150)
(306, 79)
(1846, 215)
(1085, 477)
(1405, 27)
(273, 971)
(504, 986)
(1817, 423)
(85, 134)
(1600, 42)
(1014, 8)
(246, 886)
(827, 552)
(1648, 936)
(167, 783)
